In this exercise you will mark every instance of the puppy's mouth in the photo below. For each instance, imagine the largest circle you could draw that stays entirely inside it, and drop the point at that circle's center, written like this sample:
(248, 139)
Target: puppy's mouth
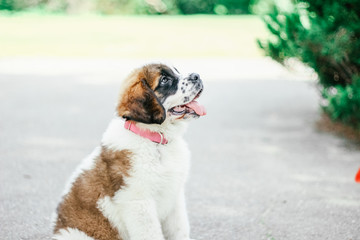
(191, 108)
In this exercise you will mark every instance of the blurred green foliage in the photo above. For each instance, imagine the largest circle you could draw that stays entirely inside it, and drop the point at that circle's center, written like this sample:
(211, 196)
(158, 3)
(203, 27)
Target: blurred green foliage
(213, 6)
(220, 7)
(325, 35)
(343, 102)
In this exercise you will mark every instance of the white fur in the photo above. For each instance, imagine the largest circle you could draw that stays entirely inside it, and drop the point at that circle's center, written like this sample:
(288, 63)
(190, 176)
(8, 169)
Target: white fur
(71, 234)
(152, 203)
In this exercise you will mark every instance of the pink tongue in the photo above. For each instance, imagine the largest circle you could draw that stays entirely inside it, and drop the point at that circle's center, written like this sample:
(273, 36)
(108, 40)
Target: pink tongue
(199, 109)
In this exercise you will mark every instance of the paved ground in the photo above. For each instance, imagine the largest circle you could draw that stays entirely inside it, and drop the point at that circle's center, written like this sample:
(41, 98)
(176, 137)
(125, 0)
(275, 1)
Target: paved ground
(260, 169)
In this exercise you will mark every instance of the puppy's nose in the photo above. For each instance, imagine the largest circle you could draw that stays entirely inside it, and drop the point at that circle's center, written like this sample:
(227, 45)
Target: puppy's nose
(194, 77)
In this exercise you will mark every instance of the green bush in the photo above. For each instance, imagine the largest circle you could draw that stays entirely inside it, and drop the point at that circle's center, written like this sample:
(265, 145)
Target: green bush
(325, 35)
(17, 5)
(132, 6)
(7, 5)
(343, 103)
(40, 5)
(136, 7)
(213, 6)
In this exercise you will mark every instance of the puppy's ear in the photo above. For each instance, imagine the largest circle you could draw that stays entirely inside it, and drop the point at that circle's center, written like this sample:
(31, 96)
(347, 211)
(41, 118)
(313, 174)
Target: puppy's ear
(140, 104)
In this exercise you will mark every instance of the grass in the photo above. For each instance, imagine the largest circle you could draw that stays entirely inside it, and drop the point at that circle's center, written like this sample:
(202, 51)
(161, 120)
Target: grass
(130, 36)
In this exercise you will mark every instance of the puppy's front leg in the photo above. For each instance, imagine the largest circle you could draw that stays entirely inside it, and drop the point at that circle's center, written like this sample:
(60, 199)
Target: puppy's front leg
(142, 221)
(176, 225)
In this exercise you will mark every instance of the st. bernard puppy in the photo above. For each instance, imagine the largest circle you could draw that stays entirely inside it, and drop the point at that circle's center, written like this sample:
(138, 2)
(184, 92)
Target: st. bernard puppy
(132, 185)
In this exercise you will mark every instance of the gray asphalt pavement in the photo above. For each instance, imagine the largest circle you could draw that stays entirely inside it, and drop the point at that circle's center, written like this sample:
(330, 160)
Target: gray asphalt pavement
(260, 168)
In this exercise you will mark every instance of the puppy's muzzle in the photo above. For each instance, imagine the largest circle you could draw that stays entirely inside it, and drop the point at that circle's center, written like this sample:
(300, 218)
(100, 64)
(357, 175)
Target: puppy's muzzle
(194, 77)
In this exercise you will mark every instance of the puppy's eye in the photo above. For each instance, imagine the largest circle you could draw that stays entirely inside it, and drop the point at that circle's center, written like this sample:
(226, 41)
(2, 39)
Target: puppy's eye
(164, 80)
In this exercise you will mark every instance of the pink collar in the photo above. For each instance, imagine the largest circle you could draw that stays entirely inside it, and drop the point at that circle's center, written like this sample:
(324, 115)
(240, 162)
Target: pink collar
(153, 136)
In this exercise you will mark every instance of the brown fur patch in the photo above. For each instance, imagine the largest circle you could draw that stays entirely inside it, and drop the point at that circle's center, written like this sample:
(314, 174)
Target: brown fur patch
(79, 207)
(138, 100)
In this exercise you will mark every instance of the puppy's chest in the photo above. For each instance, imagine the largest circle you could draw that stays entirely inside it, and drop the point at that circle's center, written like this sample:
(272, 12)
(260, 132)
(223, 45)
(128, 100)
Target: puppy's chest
(161, 166)
(158, 173)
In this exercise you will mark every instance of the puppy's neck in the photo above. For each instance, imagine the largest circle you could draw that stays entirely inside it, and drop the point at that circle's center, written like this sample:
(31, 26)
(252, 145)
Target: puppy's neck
(170, 129)
(114, 135)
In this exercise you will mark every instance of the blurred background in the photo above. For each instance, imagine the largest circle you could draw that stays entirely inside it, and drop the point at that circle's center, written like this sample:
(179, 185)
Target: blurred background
(276, 156)
(129, 29)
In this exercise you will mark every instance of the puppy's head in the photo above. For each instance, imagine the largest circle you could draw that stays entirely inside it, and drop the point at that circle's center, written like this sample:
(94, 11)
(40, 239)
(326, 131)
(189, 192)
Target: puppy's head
(157, 92)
